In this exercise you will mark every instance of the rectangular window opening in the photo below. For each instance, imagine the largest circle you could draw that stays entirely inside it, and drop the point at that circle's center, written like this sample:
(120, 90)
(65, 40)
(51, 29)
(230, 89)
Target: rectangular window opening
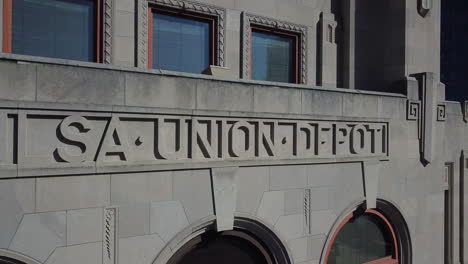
(181, 41)
(274, 55)
(64, 29)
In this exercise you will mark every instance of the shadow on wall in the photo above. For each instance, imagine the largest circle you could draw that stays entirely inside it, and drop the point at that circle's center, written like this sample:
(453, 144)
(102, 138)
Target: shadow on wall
(453, 49)
(337, 9)
(379, 44)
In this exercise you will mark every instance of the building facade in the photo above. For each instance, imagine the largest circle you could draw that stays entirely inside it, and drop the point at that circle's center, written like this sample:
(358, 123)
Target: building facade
(230, 131)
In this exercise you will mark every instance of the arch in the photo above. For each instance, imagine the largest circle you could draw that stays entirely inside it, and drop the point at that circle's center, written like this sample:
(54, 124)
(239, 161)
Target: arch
(393, 223)
(10, 257)
(246, 228)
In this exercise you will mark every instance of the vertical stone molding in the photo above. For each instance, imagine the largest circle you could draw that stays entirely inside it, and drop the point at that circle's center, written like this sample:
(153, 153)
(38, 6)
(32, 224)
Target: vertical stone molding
(371, 182)
(107, 9)
(465, 111)
(427, 93)
(142, 34)
(225, 196)
(143, 11)
(1, 25)
(424, 6)
(349, 43)
(248, 20)
(327, 51)
(110, 238)
(307, 210)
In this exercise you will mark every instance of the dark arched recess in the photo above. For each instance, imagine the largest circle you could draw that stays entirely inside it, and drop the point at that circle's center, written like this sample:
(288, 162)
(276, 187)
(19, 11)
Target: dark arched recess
(7, 260)
(249, 242)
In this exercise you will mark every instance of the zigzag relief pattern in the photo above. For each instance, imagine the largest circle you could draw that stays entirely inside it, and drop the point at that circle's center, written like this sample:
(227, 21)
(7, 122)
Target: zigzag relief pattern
(249, 19)
(219, 13)
(245, 46)
(142, 33)
(107, 32)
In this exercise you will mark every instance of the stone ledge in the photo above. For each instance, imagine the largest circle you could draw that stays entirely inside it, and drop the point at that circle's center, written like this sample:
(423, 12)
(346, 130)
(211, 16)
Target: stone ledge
(42, 60)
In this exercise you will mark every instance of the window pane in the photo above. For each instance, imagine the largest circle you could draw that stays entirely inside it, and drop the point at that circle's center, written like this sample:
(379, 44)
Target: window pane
(361, 240)
(272, 57)
(180, 44)
(55, 28)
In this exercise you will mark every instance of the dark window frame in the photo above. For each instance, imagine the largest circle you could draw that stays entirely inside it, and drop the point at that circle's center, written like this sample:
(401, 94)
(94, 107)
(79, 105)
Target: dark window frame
(282, 33)
(7, 31)
(211, 20)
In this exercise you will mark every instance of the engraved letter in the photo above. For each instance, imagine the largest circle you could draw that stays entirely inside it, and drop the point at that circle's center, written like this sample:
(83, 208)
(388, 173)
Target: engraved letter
(204, 139)
(3, 135)
(171, 140)
(71, 132)
(358, 139)
(266, 139)
(115, 142)
(241, 140)
(306, 146)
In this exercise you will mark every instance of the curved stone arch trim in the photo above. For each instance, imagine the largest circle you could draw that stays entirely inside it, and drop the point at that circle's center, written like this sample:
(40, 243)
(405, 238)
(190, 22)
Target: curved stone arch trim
(184, 236)
(242, 222)
(402, 209)
(395, 218)
(18, 256)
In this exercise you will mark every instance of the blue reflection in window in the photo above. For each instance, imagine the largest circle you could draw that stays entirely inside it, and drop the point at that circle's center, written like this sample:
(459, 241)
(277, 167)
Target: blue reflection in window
(180, 44)
(63, 29)
(272, 57)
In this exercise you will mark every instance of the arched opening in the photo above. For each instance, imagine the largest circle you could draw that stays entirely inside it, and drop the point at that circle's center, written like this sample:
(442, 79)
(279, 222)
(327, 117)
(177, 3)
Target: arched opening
(7, 260)
(250, 242)
(364, 238)
(226, 247)
(373, 236)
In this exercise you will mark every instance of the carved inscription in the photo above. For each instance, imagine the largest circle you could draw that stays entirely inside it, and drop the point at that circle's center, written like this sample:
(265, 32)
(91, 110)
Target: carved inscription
(85, 139)
(179, 138)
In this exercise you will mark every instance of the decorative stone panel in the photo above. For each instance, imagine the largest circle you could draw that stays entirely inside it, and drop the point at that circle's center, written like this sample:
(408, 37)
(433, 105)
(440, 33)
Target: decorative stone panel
(424, 6)
(107, 31)
(61, 142)
(413, 109)
(441, 113)
(248, 20)
(110, 240)
(207, 10)
(142, 34)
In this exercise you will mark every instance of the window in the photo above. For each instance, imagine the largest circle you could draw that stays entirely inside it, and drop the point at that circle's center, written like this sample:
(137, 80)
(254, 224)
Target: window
(274, 56)
(65, 29)
(183, 42)
(273, 50)
(365, 238)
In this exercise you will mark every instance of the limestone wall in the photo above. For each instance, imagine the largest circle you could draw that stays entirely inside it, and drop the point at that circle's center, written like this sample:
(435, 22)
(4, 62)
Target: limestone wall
(60, 214)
